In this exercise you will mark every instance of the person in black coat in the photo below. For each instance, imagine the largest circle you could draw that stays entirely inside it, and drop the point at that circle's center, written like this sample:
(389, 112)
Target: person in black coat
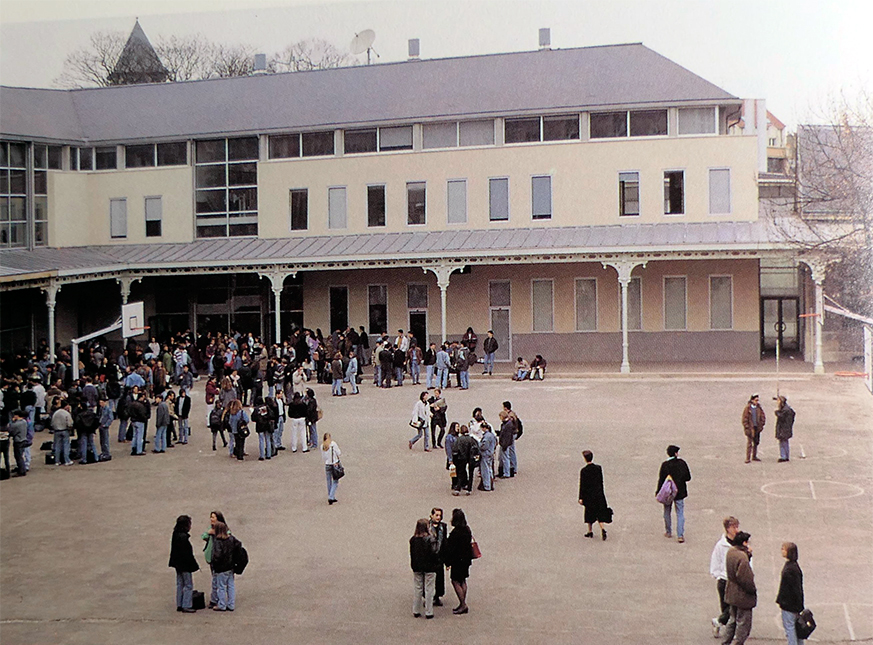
(425, 563)
(457, 554)
(790, 596)
(591, 495)
(182, 560)
(676, 468)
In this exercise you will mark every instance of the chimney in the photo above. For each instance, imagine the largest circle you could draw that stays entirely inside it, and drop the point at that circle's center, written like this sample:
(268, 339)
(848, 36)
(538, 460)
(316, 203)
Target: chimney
(260, 64)
(545, 38)
(414, 48)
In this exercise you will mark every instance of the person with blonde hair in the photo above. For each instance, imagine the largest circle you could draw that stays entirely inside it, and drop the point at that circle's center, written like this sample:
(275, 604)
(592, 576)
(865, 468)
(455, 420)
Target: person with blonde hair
(330, 452)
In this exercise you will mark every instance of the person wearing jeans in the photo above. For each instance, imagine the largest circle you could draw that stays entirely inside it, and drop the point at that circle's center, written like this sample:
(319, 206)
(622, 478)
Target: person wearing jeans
(182, 560)
(420, 420)
(330, 453)
(224, 546)
(62, 422)
(677, 469)
(790, 596)
(489, 347)
(740, 592)
(425, 564)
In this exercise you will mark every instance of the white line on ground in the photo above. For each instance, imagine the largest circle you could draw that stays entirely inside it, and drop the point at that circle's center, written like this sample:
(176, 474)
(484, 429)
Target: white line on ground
(802, 452)
(812, 489)
(848, 622)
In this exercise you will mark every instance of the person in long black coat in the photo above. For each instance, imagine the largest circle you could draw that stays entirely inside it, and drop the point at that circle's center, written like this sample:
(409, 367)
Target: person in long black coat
(790, 597)
(182, 560)
(591, 495)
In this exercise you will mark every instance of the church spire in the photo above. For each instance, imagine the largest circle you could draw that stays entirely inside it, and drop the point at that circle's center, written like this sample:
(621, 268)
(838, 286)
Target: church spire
(138, 62)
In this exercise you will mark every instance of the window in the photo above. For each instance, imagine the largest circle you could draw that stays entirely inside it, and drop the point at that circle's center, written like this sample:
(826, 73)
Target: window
(375, 205)
(499, 294)
(84, 158)
(456, 201)
(454, 134)
(154, 214)
(397, 138)
(674, 192)
(47, 157)
(284, 146)
(13, 194)
(629, 193)
(357, 141)
(548, 128)
(336, 207)
(541, 296)
(720, 302)
(377, 300)
(648, 123)
(719, 191)
(606, 125)
(775, 165)
(674, 303)
(139, 156)
(476, 133)
(541, 197)
(416, 296)
(416, 196)
(226, 179)
(173, 153)
(106, 158)
(117, 218)
(521, 130)
(697, 120)
(498, 199)
(318, 144)
(299, 209)
(439, 135)
(635, 305)
(560, 128)
(586, 304)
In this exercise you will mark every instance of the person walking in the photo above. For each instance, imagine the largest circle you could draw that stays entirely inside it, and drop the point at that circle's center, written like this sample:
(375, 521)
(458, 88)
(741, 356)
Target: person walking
(784, 427)
(753, 424)
(677, 469)
(740, 591)
(717, 569)
(182, 560)
(425, 563)
(592, 495)
(420, 420)
(224, 548)
(331, 454)
(790, 596)
(458, 555)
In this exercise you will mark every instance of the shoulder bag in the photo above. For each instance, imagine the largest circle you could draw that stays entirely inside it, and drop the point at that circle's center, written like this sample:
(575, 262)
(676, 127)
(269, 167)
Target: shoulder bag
(337, 470)
(477, 552)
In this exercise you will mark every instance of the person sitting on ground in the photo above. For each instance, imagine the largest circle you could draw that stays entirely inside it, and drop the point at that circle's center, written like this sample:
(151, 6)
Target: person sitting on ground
(538, 368)
(522, 369)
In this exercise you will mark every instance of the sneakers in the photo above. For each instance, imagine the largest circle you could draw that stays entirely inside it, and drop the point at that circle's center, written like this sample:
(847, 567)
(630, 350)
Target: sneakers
(716, 628)
(681, 540)
(668, 534)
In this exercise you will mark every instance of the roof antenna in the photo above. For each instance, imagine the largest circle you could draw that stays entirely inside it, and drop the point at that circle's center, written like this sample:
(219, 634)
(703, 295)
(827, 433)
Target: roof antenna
(363, 42)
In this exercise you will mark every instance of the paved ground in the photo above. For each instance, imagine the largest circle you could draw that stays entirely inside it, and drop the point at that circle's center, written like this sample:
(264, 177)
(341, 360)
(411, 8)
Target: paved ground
(84, 549)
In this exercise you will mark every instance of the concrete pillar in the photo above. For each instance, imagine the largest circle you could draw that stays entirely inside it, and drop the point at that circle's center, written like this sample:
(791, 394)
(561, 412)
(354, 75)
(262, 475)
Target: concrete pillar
(443, 273)
(818, 269)
(51, 295)
(277, 283)
(624, 270)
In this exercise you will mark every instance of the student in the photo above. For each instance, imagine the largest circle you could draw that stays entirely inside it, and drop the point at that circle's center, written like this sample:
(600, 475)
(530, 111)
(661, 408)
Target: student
(740, 592)
(425, 563)
(717, 571)
(458, 555)
(182, 560)
(330, 452)
(224, 547)
(790, 597)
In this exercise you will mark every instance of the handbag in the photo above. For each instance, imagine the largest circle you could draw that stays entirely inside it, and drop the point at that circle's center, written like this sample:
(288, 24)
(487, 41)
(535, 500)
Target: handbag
(804, 625)
(477, 552)
(607, 516)
(668, 491)
(336, 469)
(243, 429)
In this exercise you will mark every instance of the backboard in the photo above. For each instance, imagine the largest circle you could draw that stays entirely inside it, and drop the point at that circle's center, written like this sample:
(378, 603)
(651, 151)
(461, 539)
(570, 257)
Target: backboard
(132, 319)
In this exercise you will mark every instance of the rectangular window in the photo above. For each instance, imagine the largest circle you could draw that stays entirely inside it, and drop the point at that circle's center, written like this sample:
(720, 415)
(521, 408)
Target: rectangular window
(416, 202)
(476, 133)
(318, 144)
(541, 197)
(55, 154)
(416, 296)
(106, 158)
(226, 180)
(117, 218)
(456, 201)
(721, 302)
(377, 301)
(299, 209)
(697, 120)
(154, 215)
(674, 304)
(375, 205)
(674, 192)
(357, 141)
(399, 138)
(284, 146)
(498, 199)
(719, 191)
(629, 193)
(336, 207)
(139, 156)
(586, 304)
(648, 123)
(635, 304)
(13, 197)
(439, 135)
(499, 294)
(173, 153)
(606, 125)
(775, 165)
(542, 302)
(561, 128)
(521, 130)
(86, 159)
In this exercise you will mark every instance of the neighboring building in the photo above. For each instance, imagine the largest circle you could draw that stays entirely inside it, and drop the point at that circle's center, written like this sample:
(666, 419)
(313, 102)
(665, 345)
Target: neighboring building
(138, 62)
(586, 204)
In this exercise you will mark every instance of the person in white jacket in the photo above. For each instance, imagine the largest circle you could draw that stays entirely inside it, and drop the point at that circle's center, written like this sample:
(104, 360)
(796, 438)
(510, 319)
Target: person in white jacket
(718, 571)
(420, 420)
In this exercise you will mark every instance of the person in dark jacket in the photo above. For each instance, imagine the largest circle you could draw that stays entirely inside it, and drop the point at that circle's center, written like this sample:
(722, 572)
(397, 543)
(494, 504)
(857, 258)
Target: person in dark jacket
(790, 596)
(86, 425)
(139, 413)
(439, 531)
(17, 429)
(182, 560)
(489, 346)
(464, 454)
(162, 420)
(676, 468)
(224, 547)
(740, 592)
(425, 564)
(753, 423)
(457, 554)
(592, 496)
(784, 427)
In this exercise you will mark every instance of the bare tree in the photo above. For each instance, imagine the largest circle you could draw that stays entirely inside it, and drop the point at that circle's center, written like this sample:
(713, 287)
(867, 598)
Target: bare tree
(91, 65)
(187, 58)
(231, 60)
(305, 55)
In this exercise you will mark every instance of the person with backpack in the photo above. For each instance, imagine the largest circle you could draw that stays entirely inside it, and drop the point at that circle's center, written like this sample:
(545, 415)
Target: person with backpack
(228, 558)
(677, 470)
(263, 419)
(215, 424)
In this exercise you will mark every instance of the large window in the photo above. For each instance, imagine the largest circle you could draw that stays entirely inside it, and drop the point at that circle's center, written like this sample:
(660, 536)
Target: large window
(307, 144)
(336, 207)
(299, 209)
(117, 218)
(521, 130)
(13, 194)
(586, 304)
(396, 138)
(416, 203)
(637, 123)
(675, 303)
(456, 201)
(154, 215)
(543, 305)
(452, 134)
(376, 205)
(719, 191)
(377, 302)
(357, 141)
(721, 302)
(227, 187)
(498, 199)
(382, 139)
(674, 192)
(628, 193)
(697, 120)
(174, 153)
(547, 128)
(541, 197)
(648, 123)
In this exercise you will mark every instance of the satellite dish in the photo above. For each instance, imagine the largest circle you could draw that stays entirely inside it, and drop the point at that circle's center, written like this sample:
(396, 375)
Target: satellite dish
(363, 42)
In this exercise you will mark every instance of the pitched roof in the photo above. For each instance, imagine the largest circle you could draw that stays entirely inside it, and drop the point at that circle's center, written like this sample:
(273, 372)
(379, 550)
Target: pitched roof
(138, 62)
(491, 85)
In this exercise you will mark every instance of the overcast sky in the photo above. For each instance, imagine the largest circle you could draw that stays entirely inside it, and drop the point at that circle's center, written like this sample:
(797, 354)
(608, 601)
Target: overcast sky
(794, 53)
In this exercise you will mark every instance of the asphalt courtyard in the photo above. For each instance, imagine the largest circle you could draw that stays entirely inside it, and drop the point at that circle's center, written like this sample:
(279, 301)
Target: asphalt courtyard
(85, 549)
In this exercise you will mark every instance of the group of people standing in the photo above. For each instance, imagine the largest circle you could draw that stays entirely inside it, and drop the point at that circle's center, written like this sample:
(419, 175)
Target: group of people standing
(753, 421)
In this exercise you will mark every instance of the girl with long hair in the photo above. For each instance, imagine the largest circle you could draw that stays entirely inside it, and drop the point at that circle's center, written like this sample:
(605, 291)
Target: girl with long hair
(330, 452)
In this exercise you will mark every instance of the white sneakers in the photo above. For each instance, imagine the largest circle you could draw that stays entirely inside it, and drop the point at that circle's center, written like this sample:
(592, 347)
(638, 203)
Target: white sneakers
(716, 628)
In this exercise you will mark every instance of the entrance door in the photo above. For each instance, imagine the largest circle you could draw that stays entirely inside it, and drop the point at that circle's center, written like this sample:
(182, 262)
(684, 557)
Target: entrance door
(500, 327)
(339, 308)
(779, 325)
(418, 327)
